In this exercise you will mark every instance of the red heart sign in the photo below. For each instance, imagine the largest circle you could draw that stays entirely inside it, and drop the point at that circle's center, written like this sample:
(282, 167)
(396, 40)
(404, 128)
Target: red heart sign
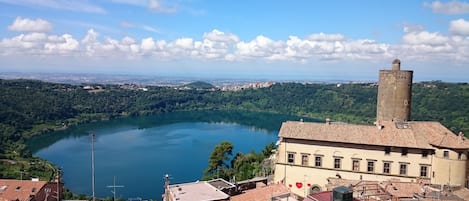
(299, 184)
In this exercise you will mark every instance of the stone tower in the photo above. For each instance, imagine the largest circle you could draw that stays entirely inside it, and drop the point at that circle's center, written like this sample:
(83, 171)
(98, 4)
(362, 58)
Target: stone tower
(394, 94)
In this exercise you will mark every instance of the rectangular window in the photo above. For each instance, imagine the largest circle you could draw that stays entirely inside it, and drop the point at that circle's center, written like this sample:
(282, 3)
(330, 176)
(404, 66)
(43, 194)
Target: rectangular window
(386, 167)
(356, 165)
(424, 153)
(318, 161)
(403, 169)
(337, 163)
(371, 166)
(387, 150)
(423, 171)
(404, 152)
(445, 154)
(304, 159)
(291, 158)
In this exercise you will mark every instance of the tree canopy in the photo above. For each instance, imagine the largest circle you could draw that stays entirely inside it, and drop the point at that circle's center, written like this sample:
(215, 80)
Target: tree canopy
(219, 158)
(240, 167)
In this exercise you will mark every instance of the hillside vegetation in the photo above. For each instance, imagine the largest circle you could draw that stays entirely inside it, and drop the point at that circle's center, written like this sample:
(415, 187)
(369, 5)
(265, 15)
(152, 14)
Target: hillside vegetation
(29, 108)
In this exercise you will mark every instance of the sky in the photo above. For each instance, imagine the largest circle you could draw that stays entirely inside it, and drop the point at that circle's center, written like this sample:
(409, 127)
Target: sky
(260, 39)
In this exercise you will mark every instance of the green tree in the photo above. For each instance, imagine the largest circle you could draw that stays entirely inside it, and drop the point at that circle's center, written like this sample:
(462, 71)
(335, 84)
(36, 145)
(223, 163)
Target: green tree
(219, 158)
(267, 151)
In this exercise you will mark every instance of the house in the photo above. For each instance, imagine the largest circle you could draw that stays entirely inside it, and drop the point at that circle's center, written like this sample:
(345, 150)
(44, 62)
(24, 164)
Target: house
(28, 190)
(310, 153)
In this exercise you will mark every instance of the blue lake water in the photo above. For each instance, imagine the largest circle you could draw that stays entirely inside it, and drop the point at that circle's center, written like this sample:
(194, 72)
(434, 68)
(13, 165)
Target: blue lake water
(139, 151)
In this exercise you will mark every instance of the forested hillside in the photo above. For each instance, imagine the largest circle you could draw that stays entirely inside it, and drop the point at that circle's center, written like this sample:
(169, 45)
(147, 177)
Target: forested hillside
(31, 107)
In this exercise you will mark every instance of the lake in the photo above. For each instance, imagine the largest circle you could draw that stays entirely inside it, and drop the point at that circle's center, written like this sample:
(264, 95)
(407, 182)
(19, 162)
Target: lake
(139, 151)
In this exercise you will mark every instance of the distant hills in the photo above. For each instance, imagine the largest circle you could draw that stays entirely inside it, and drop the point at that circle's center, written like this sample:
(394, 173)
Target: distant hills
(199, 85)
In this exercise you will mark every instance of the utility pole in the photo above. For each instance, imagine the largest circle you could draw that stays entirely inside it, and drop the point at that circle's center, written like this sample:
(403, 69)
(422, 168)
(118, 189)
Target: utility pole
(166, 187)
(114, 187)
(92, 164)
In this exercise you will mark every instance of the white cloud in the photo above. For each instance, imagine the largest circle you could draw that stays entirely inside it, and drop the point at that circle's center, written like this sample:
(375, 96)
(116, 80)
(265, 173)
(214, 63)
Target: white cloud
(35, 37)
(425, 37)
(150, 29)
(216, 45)
(71, 5)
(312, 45)
(261, 46)
(326, 37)
(184, 43)
(147, 45)
(29, 25)
(413, 28)
(432, 47)
(452, 7)
(90, 37)
(216, 35)
(156, 6)
(90, 41)
(20, 42)
(70, 44)
(459, 27)
(33, 44)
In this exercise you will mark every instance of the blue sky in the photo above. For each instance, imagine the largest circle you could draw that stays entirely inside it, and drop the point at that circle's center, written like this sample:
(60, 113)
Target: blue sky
(313, 40)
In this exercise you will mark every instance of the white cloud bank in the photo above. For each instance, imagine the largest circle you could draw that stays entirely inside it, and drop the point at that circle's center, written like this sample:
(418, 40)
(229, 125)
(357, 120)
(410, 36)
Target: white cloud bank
(29, 25)
(216, 45)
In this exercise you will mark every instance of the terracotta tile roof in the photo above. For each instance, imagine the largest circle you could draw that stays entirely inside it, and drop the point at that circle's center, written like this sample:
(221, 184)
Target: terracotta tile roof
(463, 193)
(409, 134)
(402, 189)
(196, 191)
(19, 189)
(320, 196)
(262, 193)
(438, 135)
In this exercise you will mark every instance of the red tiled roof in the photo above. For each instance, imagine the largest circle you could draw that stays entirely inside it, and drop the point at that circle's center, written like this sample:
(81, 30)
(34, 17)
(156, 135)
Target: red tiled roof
(19, 189)
(416, 134)
(402, 189)
(261, 194)
(320, 196)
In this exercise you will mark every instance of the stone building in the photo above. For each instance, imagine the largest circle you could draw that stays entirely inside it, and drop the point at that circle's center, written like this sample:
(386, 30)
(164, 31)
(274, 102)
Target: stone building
(394, 148)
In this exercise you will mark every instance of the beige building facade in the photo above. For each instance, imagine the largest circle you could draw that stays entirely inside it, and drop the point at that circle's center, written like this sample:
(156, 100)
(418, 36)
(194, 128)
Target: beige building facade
(309, 153)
